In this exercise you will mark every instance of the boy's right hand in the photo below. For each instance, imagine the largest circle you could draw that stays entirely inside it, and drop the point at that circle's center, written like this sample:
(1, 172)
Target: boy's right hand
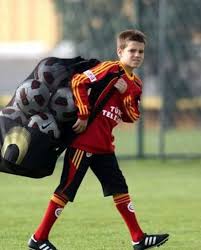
(80, 125)
(121, 85)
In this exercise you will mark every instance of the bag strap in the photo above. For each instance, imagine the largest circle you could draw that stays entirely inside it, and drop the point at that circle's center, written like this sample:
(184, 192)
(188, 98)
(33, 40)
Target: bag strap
(100, 106)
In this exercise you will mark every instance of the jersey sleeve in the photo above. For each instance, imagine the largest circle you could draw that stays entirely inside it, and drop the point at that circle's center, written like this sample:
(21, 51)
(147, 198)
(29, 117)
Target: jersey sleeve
(82, 82)
(132, 112)
(130, 102)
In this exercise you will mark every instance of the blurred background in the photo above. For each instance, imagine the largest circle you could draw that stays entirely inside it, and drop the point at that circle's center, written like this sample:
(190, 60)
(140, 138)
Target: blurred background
(171, 104)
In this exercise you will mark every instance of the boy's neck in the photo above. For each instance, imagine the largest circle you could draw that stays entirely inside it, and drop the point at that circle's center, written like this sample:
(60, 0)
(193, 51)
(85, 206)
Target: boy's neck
(128, 69)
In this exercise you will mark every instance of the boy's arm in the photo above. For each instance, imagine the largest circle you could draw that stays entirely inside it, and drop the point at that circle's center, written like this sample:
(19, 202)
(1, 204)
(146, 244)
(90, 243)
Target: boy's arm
(130, 102)
(132, 112)
(80, 85)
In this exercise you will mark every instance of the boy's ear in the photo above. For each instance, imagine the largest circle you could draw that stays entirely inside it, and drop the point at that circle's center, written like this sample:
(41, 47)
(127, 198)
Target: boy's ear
(119, 51)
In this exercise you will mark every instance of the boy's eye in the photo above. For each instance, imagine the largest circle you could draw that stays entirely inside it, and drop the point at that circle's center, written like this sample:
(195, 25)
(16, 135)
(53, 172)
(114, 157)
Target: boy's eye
(134, 51)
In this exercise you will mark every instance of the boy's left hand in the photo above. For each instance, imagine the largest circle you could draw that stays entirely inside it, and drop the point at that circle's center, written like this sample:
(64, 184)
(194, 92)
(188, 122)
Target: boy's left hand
(121, 85)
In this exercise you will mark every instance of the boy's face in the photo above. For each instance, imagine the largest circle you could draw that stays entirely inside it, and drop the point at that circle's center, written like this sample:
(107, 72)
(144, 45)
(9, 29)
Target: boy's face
(132, 55)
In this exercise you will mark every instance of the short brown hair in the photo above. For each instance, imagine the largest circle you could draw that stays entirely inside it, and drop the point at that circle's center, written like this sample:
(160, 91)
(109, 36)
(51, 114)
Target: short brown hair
(130, 35)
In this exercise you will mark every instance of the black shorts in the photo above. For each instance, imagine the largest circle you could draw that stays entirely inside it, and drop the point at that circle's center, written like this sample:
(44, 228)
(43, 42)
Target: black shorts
(104, 166)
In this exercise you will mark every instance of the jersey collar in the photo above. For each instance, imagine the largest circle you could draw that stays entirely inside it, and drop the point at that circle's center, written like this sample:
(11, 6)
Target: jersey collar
(130, 76)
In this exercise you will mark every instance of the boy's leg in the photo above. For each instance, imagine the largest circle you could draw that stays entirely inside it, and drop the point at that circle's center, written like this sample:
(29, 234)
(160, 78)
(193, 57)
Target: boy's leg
(125, 207)
(107, 170)
(140, 240)
(75, 166)
(54, 209)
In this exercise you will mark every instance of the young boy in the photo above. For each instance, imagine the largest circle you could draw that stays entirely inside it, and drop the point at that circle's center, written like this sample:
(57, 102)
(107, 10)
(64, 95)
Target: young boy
(93, 146)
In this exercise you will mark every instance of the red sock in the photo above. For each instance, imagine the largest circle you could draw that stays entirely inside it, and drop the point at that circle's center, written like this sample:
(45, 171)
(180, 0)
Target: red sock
(125, 207)
(53, 211)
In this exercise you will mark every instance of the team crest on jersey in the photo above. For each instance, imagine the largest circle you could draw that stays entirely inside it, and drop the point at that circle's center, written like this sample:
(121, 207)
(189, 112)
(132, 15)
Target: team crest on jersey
(58, 211)
(90, 75)
(88, 154)
(130, 207)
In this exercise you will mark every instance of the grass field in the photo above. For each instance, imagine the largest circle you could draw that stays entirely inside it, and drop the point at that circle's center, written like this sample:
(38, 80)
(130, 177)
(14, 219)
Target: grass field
(166, 196)
(177, 141)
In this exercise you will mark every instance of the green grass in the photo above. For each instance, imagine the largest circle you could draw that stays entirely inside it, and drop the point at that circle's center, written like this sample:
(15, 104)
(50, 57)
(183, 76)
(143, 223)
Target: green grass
(177, 141)
(166, 196)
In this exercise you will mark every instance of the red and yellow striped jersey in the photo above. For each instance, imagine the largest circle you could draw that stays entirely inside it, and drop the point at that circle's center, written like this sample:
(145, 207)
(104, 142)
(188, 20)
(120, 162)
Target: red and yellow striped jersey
(98, 136)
